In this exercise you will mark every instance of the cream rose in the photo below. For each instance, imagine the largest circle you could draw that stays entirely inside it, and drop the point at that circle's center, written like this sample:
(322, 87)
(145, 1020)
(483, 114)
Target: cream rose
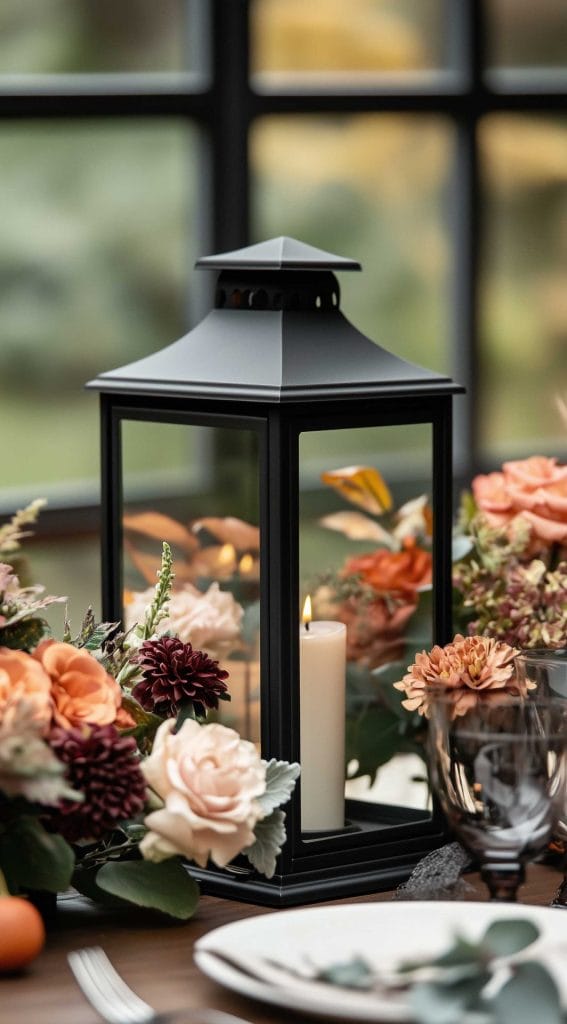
(209, 780)
(211, 621)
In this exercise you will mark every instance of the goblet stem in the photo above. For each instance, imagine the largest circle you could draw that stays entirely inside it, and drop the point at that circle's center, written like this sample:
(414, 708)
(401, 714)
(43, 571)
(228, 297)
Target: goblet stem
(503, 880)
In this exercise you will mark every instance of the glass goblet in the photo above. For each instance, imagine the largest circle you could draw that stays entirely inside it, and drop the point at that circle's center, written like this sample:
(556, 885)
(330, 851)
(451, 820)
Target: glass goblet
(493, 761)
(548, 670)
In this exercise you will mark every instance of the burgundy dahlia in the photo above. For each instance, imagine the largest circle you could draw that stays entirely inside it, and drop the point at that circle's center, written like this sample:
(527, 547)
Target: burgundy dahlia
(103, 766)
(175, 674)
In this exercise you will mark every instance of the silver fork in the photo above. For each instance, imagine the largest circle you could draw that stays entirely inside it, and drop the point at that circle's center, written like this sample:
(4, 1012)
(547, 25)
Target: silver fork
(116, 1003)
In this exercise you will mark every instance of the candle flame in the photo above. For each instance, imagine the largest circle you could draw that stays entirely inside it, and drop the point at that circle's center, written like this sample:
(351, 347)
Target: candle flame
(307, 613)
(227, 555)
(246, 564)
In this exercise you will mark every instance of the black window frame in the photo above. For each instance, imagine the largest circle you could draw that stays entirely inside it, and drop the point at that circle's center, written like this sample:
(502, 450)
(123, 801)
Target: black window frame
(224, 99)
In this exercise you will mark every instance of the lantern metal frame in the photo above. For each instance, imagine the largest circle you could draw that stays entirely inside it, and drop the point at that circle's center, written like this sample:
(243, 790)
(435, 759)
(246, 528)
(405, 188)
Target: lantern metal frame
(385, 842)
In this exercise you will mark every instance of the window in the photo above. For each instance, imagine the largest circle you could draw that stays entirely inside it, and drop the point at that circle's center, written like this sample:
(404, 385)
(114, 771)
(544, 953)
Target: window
(427, 138)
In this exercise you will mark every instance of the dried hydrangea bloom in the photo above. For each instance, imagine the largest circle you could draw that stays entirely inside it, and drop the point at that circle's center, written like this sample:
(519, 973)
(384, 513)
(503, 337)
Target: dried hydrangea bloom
(466, 670)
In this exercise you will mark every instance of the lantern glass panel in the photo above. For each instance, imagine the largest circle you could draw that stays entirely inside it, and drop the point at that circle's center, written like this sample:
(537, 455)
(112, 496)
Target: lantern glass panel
(197, 487)
(365, 558)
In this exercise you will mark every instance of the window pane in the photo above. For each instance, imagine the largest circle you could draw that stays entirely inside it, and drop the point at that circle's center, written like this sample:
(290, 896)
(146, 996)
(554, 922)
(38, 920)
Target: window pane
(211, 520)
(348, 559)
(373, 188)
(360, 36)
(64, 36)
(93, 268)
(524, 316)
(527, 34)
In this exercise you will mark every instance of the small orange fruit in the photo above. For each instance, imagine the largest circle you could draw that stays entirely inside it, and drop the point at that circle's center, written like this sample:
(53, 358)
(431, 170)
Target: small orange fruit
(22, 933)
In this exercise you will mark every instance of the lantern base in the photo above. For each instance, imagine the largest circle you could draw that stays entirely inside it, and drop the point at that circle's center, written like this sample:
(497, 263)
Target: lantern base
(240, 883)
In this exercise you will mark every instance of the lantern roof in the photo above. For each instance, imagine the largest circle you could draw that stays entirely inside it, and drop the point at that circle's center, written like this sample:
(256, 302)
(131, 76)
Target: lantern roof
(278, 254)
(276, 335)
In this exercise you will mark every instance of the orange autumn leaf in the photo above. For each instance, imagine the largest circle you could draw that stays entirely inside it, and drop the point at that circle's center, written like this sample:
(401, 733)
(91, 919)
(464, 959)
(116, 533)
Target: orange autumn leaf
(160, 527)
(361, 485)
(230, 530)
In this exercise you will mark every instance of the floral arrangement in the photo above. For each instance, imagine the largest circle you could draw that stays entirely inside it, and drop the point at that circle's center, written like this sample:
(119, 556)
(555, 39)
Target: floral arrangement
(509, 590)
(513, 583)
(110, 774)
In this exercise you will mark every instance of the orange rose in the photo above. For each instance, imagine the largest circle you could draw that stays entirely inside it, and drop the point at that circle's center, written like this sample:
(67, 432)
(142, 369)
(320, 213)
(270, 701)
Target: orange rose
(395, 572)
(83, 692)
(22, 678)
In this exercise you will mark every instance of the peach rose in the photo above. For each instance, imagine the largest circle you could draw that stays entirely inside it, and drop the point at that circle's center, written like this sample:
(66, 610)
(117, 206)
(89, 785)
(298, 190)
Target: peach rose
(533, 488)
(492, 498)
(537, 471)
(22, 678)
(83, 692)
(208, 779)
(395, 572)
(545, 509)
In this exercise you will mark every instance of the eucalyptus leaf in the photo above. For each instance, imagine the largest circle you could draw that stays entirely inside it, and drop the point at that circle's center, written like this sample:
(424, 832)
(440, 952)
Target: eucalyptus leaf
(355, 973)
(269, 838)
(504, 938)
(280, 784)
(530, 997)
(166, 886)
(438, 1003)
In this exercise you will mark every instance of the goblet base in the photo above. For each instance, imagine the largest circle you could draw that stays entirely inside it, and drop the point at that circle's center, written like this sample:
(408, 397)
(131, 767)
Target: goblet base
(503, 880)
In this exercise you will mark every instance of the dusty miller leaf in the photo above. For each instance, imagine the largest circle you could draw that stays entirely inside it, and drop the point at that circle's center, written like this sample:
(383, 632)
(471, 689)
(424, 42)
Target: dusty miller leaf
(280, 783)
(270, 837)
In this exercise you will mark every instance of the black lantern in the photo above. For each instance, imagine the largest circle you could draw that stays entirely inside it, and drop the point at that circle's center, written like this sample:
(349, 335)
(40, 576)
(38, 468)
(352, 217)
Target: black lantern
(219, 443)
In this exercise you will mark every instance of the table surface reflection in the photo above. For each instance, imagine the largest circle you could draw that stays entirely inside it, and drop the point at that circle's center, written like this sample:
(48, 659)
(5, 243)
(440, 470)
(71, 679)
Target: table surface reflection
(156, 959)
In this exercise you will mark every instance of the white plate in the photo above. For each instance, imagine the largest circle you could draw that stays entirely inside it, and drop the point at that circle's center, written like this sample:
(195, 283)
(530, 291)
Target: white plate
(384, 933)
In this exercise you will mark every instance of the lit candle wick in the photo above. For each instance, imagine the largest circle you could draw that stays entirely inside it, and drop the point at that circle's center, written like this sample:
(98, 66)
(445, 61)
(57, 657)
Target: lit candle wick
(307, 613)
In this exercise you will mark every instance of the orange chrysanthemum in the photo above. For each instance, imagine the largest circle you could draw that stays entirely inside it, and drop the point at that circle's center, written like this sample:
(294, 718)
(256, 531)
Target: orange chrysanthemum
(466, 670)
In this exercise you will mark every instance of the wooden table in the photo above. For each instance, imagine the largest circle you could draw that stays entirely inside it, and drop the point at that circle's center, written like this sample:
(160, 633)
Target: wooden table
(156, 959)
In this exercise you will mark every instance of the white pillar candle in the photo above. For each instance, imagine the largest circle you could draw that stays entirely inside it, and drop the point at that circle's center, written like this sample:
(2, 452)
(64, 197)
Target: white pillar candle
(322, 672)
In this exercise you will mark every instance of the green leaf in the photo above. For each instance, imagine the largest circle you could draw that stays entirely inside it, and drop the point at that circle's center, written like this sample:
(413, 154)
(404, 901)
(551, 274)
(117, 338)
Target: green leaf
(437, 1003)
(270, 837)
(100, 633)
(186, 710)
(355, 973)
(280, 784)
(166, 886)
(503, 938)
(23, 635)
(32, 858)
(84, 881)
(530, 996)
(372, 739)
